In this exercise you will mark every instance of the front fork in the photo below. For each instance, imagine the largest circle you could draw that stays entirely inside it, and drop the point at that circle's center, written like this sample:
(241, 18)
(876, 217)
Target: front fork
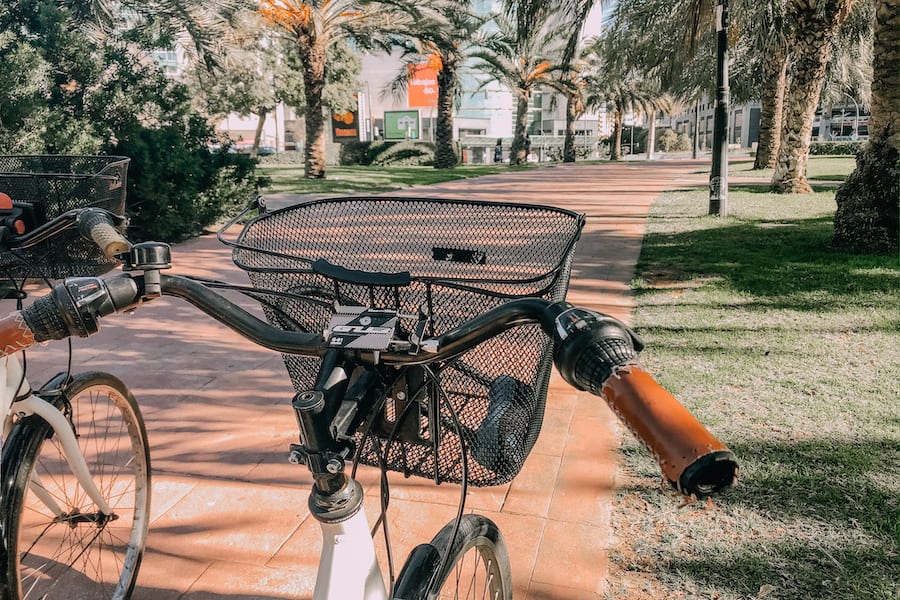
(13, 385)
(348, 567)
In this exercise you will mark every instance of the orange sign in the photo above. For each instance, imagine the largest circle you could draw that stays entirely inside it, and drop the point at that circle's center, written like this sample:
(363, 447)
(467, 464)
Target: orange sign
(422, 86)
(345, 126)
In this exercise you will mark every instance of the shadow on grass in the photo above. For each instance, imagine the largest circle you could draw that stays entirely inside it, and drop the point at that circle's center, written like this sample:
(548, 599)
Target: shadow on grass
(839, 501)
(818, 519)
(850, 484)
(818, 184)
(790, 263)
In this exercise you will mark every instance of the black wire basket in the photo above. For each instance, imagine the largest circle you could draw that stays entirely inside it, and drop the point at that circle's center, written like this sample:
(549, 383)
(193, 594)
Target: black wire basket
(463, 258)
(43, 187)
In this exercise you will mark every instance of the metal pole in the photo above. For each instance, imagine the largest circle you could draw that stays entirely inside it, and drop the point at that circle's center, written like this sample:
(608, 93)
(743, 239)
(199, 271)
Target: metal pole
(718, 177)
(855, 123)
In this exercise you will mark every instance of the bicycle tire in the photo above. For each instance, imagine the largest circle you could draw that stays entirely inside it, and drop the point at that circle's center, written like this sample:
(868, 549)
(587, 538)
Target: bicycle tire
(78, 554)
(440, 571)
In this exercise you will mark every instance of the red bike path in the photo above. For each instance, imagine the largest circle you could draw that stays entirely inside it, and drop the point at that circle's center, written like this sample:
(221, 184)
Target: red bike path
(229, 516)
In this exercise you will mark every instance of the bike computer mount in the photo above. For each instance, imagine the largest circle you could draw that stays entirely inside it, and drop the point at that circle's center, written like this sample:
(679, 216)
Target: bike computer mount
(375, 329)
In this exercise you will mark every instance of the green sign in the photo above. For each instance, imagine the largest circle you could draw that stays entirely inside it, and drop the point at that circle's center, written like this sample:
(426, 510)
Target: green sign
(401, 125)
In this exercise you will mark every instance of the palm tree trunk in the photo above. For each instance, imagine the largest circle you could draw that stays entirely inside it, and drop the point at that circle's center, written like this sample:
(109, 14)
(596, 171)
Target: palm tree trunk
(696, 138)
(867, 216)
(615, 150)
(884, 122)
(569, 140)
(444, 156)
(811, 40)
(312, 57)
(257, 136)
(517, 151)
(772, 104)
(651, 134)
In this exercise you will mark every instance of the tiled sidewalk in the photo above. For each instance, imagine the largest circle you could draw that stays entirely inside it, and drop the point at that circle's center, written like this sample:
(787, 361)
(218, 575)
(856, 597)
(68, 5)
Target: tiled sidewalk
(229, 512)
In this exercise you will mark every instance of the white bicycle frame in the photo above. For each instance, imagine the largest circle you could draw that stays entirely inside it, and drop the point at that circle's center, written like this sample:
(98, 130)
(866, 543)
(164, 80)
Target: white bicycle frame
(12, 385)
(348, 567)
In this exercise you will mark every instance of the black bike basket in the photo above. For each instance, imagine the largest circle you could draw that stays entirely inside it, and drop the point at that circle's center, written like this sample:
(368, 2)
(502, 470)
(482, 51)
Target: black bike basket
(43, 187)
(463, 258)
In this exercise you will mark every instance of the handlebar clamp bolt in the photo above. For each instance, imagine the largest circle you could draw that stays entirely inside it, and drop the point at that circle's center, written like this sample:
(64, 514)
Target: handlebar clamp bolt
(297, 455)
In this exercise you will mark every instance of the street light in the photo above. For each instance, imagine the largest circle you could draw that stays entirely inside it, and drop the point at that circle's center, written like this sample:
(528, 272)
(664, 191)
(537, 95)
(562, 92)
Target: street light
(855, 123)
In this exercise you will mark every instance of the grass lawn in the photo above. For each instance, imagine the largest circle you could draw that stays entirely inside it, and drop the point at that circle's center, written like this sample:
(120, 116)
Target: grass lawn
(789, 351)
(827, 168)
(368, 180)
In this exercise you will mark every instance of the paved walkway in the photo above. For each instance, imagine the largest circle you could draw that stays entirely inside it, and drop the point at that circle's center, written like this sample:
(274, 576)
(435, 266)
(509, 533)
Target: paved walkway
(229, 513)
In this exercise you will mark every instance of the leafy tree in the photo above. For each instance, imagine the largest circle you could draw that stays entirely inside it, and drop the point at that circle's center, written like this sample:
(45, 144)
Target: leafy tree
(258, 70)
(244, 81)
(90, 93)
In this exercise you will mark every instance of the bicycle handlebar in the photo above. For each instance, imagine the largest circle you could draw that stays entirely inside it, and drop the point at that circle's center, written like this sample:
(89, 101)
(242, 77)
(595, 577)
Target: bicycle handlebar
(592, 351)
(95, 224)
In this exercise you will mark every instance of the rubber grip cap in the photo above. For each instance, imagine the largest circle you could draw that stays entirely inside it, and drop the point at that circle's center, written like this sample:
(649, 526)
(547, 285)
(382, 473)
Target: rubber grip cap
(109, 240)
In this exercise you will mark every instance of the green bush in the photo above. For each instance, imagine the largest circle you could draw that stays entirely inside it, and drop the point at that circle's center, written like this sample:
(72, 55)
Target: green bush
(289, 157)
(669, 140)
(407, 154)
(381, 153)
(835, 148)
(176, 185)
(555, 153)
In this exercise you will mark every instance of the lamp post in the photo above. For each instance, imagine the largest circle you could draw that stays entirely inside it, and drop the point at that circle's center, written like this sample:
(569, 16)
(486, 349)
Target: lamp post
(631, 143)
(855, 123)
(718, 177)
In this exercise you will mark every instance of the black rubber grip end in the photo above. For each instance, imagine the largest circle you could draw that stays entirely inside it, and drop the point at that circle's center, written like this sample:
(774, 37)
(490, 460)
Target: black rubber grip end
(709, 474)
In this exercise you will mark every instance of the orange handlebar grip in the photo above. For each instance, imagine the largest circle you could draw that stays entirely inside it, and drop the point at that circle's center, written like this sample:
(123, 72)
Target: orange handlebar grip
(15, 334)
(691, 458)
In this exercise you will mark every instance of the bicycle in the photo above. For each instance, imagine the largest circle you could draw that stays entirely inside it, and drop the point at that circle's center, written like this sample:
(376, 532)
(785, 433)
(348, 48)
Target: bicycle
(75, 493)
(396, 319)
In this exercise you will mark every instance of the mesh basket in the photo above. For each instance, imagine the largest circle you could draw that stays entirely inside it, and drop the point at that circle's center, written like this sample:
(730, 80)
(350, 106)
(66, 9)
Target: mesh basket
(463, 258)
(46, 186)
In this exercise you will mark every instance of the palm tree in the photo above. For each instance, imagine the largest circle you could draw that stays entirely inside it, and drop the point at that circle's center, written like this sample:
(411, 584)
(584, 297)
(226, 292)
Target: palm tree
(814, 24)
(521, 54)
(569, 82)
(867, 214)
(315, 26)
(620, 89)
(197, 26)
(770, 43)
(440, 36)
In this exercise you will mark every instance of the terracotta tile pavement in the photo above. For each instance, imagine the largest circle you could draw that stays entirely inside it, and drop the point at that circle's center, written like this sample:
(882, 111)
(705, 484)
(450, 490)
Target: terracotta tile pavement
(229, 513)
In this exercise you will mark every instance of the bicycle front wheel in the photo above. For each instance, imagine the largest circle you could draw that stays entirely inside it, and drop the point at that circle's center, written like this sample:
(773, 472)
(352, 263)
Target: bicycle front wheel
(58, 543)
(474, 564)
